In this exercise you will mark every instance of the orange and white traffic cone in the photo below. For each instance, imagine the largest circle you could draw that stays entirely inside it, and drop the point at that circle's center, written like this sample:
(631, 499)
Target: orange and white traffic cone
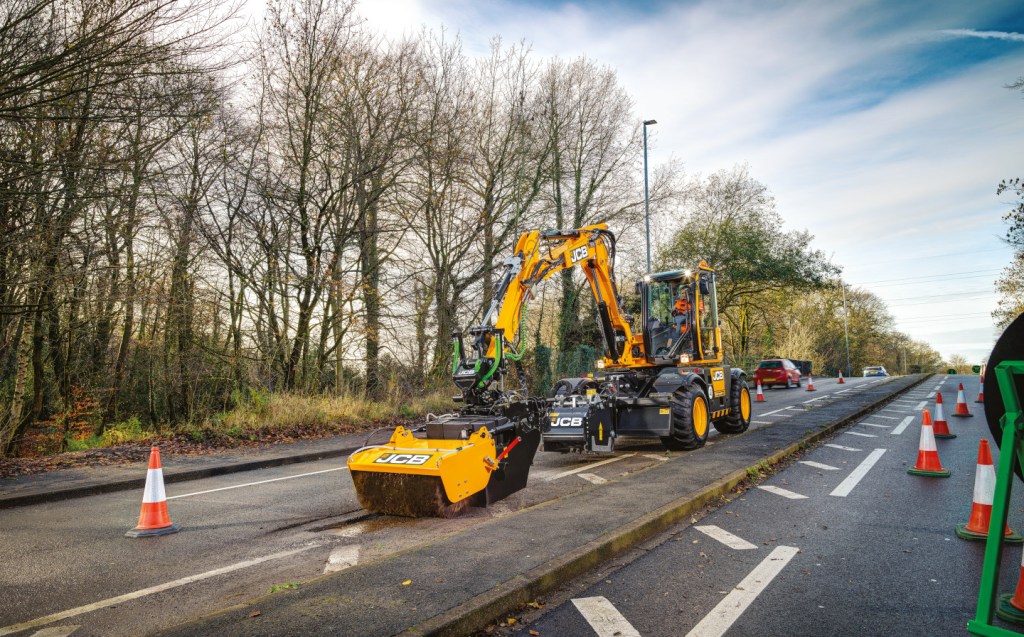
(981, 507)
(941, 427)
(981, 388)
(760, 394)
(927, 453)
(154, 519)
(1011, 607)
(961, 404)
(841, 381)
(810, 383)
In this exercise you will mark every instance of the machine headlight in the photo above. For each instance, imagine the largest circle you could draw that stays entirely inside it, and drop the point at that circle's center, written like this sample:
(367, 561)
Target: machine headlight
(600, 363)
(685, 358)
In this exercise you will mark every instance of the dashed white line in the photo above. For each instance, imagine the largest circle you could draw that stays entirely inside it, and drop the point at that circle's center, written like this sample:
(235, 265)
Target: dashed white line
(847, 485)
(342, 557)
(903, 425)
(857, 433)
(829, 444)
(718, 621)
(726, 538)
(56, 631)
(588, 466)
(604, 618)
(783, 492)
(920, 405)
(656, 457)
(761, 422)
(818, 465)
(814, 399)
(769, 413)
(593, 478)
(886, 417)
(931, 395)
(88, 608)
(251, 484)
(871, 424)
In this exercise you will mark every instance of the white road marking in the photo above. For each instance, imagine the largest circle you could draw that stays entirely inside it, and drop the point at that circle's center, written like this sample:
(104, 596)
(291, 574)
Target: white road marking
(604, 618)
(251, 484)
(931, 395)
(818, 465)
(342, 557)
(159, 588)
(761, 422)
(829, 444)
(656, 457)
(726, 538)
(769, 413)
(783, 492)
(814, 399)
(571, 472)
(886, 417)
(871, 424)
(718, 621)
(921, 405)
(903, 425)
(857, 433)
(592, 478)
(858, 474)
(56, 631)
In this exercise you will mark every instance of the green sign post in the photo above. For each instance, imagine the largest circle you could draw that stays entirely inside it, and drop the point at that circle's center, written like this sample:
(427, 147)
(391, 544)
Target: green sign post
(976, 369)
(1011, 453)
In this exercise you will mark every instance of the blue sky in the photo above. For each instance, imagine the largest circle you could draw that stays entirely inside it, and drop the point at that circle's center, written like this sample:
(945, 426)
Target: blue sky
(881, 127)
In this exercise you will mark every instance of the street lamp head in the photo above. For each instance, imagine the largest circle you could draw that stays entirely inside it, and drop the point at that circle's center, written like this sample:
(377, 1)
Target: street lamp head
(649, 122)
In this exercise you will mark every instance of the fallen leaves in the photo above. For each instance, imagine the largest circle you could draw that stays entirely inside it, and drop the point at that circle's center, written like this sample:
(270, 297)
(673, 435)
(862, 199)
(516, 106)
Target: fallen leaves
(407, 582)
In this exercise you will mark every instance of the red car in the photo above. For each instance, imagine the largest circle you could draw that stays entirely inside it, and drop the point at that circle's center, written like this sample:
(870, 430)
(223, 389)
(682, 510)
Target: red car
(777, 371)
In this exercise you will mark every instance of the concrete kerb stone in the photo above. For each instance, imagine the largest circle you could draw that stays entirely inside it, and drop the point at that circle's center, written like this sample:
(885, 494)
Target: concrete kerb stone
(476, 613)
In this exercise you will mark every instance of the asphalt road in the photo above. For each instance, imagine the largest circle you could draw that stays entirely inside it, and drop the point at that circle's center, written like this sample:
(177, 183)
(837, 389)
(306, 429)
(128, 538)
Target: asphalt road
(868, 556)
(67, 564)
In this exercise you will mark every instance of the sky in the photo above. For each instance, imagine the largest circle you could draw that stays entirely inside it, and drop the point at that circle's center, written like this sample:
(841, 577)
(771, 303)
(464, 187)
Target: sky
(881, 127)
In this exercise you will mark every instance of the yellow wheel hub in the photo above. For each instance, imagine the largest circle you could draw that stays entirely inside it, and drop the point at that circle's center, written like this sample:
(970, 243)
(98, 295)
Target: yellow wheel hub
(745, 404)
(700, 417)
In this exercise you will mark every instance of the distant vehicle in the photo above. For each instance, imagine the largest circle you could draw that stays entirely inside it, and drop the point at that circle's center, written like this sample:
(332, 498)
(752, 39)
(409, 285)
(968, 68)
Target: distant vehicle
(876, 370)
(777, 371)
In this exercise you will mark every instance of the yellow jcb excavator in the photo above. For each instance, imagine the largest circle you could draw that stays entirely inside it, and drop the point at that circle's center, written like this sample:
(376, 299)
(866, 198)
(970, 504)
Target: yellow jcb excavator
(667, 381)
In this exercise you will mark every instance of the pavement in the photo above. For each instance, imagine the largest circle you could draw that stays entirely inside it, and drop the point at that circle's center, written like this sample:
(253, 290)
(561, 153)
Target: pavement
(460, 583)
(81, 482)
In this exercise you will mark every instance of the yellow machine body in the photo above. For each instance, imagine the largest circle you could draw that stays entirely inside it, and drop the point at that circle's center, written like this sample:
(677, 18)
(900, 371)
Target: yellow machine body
(463, 466)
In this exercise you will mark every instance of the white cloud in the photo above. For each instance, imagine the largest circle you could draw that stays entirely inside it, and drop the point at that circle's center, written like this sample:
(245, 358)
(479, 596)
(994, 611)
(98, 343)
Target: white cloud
(971, 33)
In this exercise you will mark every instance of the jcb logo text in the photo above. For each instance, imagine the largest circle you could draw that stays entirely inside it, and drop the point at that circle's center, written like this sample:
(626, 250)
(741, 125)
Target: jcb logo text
(567, 422)
(403, 458)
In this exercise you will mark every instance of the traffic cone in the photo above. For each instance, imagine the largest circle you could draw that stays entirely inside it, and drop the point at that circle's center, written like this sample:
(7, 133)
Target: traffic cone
(154, 519)
(941, 427)
(841, 381)
(981, 507)
(961, 404)
(810, 383)
(981, 389)
(760, 394)
(1011, 607)
(928, 454)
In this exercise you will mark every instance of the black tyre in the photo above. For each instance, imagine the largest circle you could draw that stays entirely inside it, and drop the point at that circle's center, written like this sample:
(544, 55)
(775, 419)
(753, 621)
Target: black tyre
(739, 409)
(690, 419)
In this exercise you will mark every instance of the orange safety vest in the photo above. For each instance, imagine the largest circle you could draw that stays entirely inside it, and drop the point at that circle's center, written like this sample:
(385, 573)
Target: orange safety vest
(682, 306)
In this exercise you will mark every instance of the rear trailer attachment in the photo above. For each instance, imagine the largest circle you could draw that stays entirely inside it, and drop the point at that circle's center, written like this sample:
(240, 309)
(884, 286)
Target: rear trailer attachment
(455, 465)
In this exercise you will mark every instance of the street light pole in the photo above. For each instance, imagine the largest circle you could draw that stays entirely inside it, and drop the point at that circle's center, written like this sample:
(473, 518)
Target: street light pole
(846, 329)
(647, 198)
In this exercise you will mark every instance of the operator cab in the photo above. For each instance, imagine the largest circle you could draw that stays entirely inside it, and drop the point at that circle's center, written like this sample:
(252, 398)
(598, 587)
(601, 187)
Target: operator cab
(680, 316)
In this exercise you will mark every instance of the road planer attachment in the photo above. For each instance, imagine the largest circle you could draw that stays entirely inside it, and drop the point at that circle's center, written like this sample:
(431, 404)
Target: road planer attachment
(442, 468)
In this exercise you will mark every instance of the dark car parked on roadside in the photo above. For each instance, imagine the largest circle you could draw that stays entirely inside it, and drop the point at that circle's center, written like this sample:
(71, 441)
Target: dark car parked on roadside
(777, 371)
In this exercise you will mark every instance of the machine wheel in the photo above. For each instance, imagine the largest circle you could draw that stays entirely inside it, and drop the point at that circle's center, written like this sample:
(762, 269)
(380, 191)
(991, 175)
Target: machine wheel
(690, 419)
(739, 410)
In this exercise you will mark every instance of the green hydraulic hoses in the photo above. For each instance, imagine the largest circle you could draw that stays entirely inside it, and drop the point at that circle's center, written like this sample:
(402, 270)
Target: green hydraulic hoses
(514, 355)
